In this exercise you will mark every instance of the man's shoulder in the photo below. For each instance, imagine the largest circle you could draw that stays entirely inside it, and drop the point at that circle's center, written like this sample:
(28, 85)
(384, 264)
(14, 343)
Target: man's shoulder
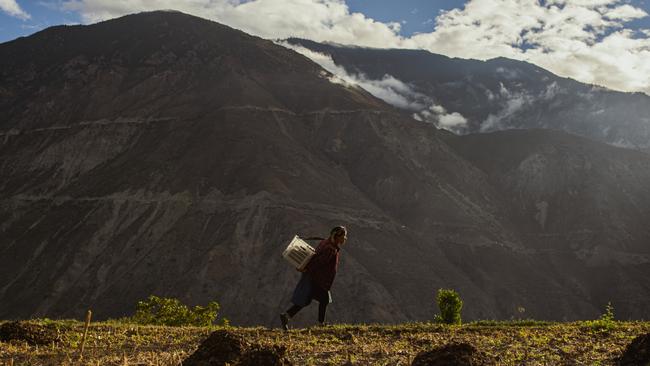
(327, 245)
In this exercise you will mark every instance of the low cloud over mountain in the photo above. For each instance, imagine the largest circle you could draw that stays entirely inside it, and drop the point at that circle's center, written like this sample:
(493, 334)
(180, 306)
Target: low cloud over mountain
(499, 94)
(388, 89)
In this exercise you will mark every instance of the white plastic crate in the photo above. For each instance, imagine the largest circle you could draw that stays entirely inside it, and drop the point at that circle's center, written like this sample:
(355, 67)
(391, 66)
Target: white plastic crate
(298, 252)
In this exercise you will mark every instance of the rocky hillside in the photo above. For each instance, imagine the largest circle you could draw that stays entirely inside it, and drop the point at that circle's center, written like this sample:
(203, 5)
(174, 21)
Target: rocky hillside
(500, 94)
(586, 205)
(161, 153)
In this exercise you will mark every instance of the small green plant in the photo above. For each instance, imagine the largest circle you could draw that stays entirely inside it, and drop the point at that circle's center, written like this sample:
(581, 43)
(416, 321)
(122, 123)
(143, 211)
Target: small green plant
(605, 322)
(450, 305)
(171, 312)
(225, 322)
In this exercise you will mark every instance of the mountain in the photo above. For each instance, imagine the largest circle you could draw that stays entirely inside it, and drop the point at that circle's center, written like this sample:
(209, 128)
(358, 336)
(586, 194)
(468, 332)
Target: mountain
(586, 205)
(567, 185)
(501, 93)
(160, 153)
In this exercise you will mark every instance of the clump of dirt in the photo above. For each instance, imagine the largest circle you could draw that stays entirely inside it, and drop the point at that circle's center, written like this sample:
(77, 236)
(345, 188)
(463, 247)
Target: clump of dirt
(347, 337)
(265, 356)
(637, 352)
(456, 354)
(33, 334)
(219, 348)
(225, 347)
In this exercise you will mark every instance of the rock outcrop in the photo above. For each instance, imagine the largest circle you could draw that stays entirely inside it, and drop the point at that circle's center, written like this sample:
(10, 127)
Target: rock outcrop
(637, 352)
(30, 333)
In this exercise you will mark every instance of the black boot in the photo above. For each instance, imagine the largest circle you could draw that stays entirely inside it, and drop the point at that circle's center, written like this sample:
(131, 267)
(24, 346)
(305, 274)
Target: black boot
(284, 319)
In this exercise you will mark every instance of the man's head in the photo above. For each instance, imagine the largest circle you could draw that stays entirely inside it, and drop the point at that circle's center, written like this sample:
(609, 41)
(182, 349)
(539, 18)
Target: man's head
(339, 235)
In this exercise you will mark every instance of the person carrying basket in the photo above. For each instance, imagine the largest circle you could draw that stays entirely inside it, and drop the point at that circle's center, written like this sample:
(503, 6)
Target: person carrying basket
(317, 278)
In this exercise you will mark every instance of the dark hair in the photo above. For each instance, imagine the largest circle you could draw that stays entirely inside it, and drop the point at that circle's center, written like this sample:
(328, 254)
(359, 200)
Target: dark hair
(337, 231)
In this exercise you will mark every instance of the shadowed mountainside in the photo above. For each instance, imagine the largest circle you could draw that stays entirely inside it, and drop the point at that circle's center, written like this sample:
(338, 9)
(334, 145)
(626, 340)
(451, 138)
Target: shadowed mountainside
(161, 153)
(586, 205)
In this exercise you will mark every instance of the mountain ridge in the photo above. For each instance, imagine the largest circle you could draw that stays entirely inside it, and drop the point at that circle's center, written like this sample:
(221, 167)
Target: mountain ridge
(501, 93)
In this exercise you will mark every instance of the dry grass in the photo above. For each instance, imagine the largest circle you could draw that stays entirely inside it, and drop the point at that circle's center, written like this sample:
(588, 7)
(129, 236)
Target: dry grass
(110, 343)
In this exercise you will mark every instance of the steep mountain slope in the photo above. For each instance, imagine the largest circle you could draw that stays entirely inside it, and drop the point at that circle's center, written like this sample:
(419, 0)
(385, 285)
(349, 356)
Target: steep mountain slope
(582, 201)
(160, 153)
(567, 185)
(501, 93)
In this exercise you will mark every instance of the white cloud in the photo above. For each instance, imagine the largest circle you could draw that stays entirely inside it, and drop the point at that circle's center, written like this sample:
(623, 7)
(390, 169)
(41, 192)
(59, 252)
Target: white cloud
(453, 120)
(390, 90)
(437, 115)
(583, 39)
(624, 12)
(12, 8)
(319, 20)
(511, 103)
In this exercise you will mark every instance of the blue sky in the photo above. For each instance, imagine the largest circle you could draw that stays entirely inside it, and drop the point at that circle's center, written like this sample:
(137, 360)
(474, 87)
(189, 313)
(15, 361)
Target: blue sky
(41, 15)
(415, 16)
(604, 42)
(418, 16)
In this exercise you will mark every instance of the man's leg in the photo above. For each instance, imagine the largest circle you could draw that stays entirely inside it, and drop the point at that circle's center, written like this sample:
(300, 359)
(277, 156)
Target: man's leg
(322, 308)
(293, 310)
(284, 317)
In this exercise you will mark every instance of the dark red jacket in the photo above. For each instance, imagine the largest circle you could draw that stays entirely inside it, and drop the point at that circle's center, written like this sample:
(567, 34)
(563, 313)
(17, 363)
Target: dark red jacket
(323, 265)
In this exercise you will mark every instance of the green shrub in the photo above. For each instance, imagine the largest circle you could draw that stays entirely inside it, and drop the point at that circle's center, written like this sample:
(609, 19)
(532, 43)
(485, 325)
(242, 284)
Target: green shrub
(605, 322)
(450, 304)
(171, 312)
